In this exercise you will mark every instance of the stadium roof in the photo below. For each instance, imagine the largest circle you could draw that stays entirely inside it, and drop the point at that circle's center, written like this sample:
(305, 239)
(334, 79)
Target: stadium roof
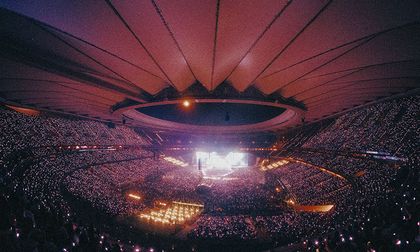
(97, 58)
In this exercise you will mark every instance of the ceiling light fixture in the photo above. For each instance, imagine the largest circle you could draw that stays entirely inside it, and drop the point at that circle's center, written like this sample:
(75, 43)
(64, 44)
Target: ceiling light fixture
(186, 103)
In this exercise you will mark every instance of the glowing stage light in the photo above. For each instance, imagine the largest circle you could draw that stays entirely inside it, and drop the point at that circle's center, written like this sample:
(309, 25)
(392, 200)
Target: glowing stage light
(213, 160)
(177, 213)
(134, 196)
(176, 161)
(186, 103)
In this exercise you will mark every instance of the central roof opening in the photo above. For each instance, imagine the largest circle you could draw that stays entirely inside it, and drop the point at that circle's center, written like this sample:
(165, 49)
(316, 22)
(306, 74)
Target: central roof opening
(213, 114)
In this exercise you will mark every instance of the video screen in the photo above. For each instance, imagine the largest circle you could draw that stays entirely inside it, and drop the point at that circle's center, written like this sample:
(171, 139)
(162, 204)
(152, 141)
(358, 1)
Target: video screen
(214, 160)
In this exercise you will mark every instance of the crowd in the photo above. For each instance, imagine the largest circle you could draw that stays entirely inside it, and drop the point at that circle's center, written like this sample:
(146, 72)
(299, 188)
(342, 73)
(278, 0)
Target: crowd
(104, 186)
(26, 226)
(48, 130)
(375, 201)
(311, 186)
(384, 127)
(244, 194)
(33, 175)
(359, 220)
(223, 227)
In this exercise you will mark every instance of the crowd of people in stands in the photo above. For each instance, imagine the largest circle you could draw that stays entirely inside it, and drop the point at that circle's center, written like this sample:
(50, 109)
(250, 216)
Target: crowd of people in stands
(309, 181)
(223, 227)
(28, 226)
(384, 127)
(375, 200)
(104, 186)
(390, 128)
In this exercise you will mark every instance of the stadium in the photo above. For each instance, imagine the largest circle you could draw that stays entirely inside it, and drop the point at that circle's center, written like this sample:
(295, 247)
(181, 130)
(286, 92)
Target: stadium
(209, 125)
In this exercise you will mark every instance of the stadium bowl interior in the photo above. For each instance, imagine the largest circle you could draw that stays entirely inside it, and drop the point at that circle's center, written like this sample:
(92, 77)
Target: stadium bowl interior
(214, 125)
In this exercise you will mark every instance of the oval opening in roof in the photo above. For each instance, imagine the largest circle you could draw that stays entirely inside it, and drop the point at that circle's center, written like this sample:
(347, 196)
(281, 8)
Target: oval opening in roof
(213, 114)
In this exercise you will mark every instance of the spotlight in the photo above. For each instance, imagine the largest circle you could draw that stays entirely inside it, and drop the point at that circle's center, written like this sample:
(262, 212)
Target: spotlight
(186, 103)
